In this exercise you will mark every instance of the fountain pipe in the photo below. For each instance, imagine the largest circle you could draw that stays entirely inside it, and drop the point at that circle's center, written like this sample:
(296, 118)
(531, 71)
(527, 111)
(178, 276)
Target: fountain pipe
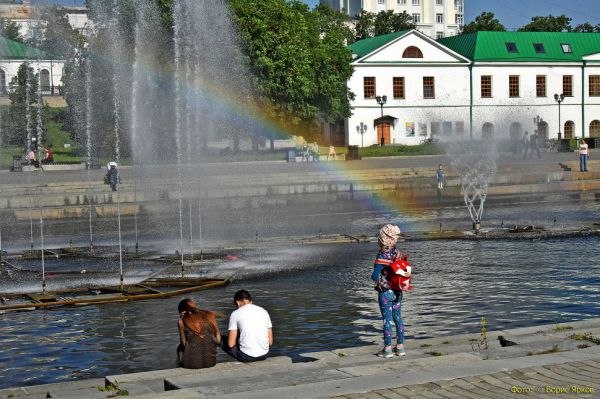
(135, 222)
(583, 99)
(120, 241)
(191, 234)
(88, 133)
(177, 13)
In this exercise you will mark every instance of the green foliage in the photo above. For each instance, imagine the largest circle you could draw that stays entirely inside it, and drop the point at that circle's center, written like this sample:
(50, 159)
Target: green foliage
(554, 349)
(548, 23)
(369, 24)
(399, 150)
(299, 60)
(15, 124)
(388, 22)
(483, 340)
(587, 28)
(59, 38)
(586, 336)
(484, 22)
(365, 25)
(562, 328)
(10, 30)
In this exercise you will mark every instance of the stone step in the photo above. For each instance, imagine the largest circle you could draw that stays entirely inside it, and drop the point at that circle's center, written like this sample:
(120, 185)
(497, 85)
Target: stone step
(76, 389)
(381, 376)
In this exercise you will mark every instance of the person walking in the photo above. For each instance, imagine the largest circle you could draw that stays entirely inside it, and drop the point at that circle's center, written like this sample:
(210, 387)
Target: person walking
(439, 176)
(584, 153)
(534, 145)
(250, 330)
(525, 144)
(390, 301)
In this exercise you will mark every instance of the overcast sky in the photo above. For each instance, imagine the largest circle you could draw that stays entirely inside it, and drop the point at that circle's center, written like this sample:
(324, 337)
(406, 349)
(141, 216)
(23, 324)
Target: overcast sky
(512, 13)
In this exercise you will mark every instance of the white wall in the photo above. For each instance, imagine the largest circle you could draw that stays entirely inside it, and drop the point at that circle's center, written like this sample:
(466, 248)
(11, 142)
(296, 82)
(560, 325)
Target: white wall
(11, 68)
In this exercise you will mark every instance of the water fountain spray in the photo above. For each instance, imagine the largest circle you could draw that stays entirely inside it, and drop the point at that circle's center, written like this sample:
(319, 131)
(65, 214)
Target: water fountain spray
(177, 17)
(475, 162)
(88, 143)
(28, 129)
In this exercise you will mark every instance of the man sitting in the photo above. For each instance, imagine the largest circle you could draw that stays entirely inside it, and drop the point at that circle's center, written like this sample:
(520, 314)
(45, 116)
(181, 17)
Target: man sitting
(250, 330)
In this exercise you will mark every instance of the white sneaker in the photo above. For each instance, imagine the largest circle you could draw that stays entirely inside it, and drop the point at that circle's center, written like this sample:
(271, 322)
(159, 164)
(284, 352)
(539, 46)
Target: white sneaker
(399, 351)
(385, 354)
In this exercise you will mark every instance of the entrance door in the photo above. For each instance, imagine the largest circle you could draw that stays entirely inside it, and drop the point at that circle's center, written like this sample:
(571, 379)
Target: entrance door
(383, 129)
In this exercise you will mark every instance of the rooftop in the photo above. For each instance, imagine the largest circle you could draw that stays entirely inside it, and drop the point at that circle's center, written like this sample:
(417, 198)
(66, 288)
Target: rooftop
(524, 46)
(366, 46)
(11, 50)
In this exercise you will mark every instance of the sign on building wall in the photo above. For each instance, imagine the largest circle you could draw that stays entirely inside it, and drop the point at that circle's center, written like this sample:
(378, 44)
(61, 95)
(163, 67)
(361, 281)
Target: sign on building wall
(410, 129)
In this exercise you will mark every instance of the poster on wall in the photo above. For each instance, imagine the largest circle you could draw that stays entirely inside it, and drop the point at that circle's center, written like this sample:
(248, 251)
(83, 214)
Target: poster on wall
(422, 129)
(410, 129)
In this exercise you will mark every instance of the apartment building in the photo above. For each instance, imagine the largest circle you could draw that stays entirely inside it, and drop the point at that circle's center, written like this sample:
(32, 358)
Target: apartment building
(435, 18)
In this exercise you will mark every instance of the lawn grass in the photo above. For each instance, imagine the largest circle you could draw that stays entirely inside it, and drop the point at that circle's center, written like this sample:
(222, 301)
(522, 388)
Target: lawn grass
(399, 150)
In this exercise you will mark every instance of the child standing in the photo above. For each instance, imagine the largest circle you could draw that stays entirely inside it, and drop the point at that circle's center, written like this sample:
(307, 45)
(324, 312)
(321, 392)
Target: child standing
(390, 302)
(439, 175)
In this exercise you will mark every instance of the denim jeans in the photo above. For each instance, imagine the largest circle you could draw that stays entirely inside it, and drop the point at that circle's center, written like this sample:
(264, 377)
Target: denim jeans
(583, 162)
(391, 311)
(237, 353)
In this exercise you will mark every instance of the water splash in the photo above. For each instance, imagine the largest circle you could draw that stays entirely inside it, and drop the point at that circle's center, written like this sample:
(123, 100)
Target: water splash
(475, 163)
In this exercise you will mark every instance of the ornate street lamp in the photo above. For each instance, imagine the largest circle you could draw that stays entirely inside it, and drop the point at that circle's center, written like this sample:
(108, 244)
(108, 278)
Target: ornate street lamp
(559, 98)
(381, 100)
(361, 129)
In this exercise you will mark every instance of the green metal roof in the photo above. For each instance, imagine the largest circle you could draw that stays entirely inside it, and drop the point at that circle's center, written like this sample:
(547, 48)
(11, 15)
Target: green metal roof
(366, 46)
(491, 46)
(11, 50)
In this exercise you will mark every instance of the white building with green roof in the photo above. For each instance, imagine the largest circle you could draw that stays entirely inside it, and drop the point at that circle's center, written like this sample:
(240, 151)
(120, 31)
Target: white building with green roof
(480, 84)
(14, 54)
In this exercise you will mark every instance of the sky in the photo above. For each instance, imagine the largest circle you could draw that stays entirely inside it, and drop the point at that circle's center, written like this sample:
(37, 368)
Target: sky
(515, 13)
(511, 13)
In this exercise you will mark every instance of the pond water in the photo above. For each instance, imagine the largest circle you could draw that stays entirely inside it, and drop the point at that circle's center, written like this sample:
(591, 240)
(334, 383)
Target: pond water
(320, 297)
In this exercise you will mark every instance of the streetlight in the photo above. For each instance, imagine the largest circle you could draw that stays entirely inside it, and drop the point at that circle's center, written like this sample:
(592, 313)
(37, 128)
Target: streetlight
(361, 129)
(381, 100)
(559, 98)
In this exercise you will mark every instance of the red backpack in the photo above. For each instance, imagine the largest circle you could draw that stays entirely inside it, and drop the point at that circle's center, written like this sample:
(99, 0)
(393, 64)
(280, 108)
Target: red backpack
(400, 278)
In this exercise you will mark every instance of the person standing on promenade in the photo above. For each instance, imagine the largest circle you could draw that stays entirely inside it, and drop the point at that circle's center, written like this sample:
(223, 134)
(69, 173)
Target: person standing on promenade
(584, 153)
(439, 176)
(390, 302)
(250, 330)
(199, 336)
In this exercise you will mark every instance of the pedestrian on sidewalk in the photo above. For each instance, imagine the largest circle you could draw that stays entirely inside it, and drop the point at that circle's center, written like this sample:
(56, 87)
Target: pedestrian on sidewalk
(250, 330)
(584, 154)
(525, 144)
(534, 145)
(439, 176)
(390, 301)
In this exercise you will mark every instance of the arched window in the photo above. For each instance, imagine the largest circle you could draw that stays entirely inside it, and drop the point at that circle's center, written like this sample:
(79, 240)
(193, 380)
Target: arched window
(412, 52)
(45, 79)
(569, 129)
(515, 131)
(595, 128)
(488, 130)
(2, 81)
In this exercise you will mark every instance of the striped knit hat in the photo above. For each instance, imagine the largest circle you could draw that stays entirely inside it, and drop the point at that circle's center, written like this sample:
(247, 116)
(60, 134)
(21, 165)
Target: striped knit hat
(389, 235)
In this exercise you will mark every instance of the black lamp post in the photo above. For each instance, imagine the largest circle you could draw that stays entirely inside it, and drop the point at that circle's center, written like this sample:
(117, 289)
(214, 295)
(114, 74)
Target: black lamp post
(361, 129)
(381, 100)
(559, 98)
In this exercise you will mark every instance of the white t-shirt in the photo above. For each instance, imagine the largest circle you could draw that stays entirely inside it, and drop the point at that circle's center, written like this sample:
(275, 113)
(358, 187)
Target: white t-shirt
(252, 323)
(583, 149)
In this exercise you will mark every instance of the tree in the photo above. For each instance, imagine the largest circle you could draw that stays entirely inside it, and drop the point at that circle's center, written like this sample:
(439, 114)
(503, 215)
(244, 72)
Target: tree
(10, 30)
(364, 26)
(484, 22)
(587, 28)
(387, 22)
(548, 23)
(299, 61)
(57, 37)
(332, 20)
(16, 124)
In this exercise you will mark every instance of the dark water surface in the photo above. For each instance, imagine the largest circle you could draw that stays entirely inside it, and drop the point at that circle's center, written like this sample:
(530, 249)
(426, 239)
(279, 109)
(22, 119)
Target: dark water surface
(328, 304)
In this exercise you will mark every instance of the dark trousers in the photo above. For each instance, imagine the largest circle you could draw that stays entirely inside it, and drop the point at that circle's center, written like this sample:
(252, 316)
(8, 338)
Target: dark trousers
(237, 353)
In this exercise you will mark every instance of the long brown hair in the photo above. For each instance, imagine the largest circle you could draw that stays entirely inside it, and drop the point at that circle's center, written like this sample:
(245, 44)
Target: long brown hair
(196, 319)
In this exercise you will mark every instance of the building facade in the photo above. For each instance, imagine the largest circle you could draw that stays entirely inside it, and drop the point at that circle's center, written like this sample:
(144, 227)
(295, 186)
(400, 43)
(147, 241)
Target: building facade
(484, 84)
(434, 18)
(14, 54)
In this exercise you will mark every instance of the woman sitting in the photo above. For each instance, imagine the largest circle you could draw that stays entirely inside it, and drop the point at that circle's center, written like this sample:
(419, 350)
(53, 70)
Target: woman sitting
(199, 336)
